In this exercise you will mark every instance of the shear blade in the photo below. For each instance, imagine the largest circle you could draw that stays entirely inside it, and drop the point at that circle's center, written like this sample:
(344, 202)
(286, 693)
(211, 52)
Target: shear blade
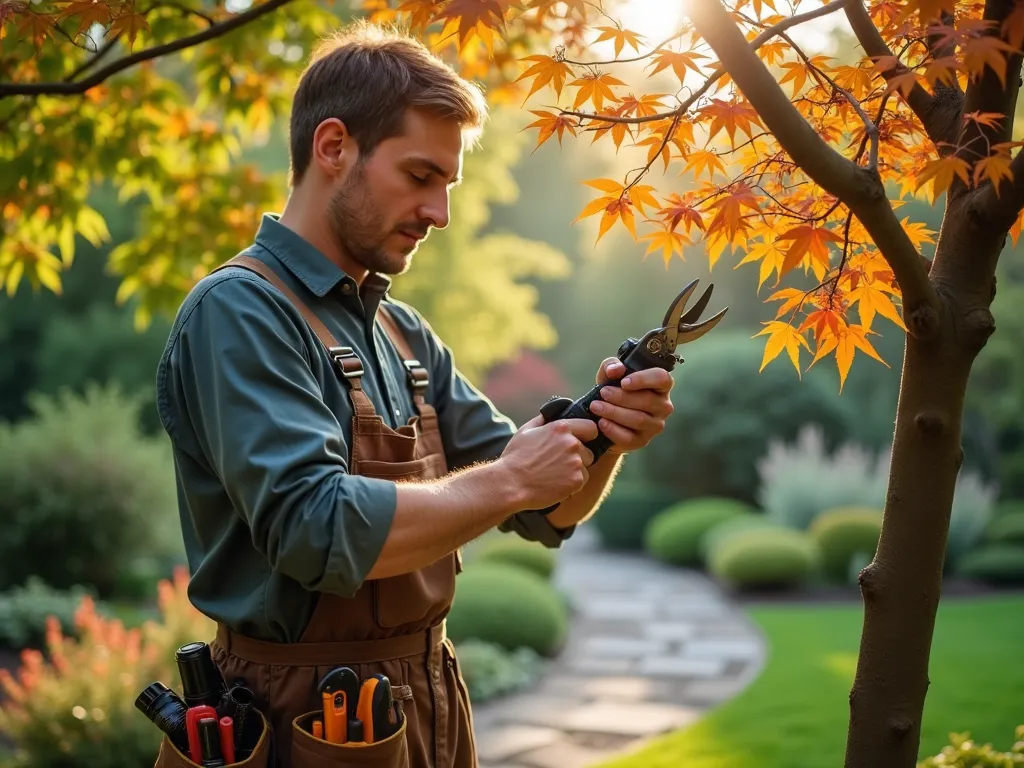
(676, 307)
(689, 332)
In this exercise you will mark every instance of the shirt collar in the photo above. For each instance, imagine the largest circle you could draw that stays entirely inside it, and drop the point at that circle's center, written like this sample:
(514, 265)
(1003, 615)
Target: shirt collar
(317, 272)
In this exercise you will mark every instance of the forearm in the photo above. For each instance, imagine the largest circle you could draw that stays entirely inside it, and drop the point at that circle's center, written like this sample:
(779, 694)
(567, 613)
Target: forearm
(433, 519)
(582, 505)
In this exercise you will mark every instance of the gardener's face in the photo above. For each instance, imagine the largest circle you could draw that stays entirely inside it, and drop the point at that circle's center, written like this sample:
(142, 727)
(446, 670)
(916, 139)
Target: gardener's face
(386, 203)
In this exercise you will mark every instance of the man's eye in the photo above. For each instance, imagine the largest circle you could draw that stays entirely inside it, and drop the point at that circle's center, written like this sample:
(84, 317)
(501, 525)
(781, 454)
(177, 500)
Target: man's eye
(418, 179)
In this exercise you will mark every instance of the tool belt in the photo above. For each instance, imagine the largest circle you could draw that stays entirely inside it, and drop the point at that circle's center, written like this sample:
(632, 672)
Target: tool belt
(359, 723)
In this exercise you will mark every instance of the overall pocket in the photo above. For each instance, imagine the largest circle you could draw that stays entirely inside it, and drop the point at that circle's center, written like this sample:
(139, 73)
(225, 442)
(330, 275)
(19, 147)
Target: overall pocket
(171, 757)
(309, 751)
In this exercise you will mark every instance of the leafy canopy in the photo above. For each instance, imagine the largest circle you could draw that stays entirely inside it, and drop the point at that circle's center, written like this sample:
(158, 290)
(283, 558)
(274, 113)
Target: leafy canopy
(709, 171)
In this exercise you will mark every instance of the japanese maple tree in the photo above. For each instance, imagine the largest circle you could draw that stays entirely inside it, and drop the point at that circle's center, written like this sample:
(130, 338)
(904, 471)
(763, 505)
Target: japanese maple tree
(748, 146)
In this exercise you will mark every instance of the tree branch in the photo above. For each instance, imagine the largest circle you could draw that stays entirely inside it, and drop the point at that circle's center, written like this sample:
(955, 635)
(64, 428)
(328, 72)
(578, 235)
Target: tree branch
(81, 86)
(860, 189)
(870, 129)
(1001, 208)
(939, 114)
(988, 93)
(757, 42)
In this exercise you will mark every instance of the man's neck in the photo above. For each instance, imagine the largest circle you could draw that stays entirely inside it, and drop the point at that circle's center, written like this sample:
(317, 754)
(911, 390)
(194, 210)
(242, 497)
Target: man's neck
(301, 216)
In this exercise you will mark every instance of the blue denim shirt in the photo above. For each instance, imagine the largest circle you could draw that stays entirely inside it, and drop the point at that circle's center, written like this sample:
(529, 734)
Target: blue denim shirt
(260, 426)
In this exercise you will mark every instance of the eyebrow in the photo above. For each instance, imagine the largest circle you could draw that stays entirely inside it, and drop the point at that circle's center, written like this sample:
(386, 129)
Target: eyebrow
(435, 168)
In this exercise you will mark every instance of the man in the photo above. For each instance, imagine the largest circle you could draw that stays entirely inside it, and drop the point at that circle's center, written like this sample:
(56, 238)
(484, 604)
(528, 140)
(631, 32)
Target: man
(331, 459)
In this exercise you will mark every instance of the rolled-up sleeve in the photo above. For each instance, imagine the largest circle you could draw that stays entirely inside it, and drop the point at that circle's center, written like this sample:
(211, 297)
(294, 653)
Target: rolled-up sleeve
(239, 377)
(473, 430)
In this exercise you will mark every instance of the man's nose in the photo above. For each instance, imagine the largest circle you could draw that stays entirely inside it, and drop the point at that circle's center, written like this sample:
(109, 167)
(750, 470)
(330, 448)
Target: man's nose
(436, 210)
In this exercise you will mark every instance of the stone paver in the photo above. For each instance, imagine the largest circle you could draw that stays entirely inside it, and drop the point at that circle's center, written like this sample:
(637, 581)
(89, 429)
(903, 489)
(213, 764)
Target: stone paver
(651, 649)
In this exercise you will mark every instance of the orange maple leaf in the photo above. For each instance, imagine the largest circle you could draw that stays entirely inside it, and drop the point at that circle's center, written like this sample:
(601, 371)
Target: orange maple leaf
(546, 71)
(808, 240)
(941, 171)
(729, 217)
(595, 88)
(849, 339)
(731, 116)
(621, 37)
(551, 123)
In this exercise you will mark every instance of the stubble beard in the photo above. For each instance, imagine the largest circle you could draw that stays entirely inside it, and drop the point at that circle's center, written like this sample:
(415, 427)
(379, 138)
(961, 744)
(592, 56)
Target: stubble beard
(358, 228)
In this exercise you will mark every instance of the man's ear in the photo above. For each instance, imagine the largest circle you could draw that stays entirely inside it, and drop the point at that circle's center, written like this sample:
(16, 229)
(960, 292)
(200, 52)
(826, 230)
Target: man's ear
(334, 149)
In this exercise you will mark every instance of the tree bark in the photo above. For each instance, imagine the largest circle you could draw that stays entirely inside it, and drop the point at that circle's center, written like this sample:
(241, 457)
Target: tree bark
(901, 588)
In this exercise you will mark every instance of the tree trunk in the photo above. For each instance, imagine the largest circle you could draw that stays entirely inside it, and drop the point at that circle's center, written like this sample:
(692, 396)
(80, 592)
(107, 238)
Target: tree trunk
(902, 586)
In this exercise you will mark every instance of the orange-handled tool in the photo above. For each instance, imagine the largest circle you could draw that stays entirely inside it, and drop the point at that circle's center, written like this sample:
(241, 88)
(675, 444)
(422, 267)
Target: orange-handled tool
(339, 693)
(335, 717)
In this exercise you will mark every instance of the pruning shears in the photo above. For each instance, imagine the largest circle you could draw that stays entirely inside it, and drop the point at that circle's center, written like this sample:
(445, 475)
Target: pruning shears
(655, 349)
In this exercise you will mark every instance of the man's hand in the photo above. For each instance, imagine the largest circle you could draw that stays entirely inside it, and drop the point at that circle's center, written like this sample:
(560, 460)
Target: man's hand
(547, 463)
(633, 413)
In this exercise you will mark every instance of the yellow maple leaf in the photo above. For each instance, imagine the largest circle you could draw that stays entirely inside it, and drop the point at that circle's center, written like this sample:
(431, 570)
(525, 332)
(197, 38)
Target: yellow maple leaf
(782, 336)
(871, 297)
(670, 242)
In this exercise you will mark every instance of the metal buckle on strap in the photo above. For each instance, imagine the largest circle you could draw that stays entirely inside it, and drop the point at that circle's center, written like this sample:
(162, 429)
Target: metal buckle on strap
(347, 361)
(417, 374)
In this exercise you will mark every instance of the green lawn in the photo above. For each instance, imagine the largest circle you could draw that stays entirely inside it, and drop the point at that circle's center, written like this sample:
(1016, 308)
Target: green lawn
(795, 714)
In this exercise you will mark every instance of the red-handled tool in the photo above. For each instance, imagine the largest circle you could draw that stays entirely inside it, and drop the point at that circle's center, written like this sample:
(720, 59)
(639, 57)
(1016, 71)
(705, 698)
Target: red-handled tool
(227, 739)
(192, 717)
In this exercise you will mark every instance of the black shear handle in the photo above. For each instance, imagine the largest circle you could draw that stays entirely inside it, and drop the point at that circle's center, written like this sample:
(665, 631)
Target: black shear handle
(635, 356)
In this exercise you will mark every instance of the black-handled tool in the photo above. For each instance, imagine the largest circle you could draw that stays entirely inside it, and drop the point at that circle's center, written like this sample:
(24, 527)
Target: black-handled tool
(655, 349)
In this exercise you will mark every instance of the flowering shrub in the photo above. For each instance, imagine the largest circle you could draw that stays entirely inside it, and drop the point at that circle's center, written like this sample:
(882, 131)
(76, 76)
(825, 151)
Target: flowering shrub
(73, 704)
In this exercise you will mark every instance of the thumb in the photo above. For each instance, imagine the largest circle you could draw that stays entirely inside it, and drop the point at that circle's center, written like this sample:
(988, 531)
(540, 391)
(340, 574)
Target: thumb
(536, 421)
(611, 369)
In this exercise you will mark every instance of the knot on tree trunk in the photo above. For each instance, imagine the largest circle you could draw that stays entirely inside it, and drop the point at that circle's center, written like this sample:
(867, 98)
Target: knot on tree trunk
(980, 325)
(930, 423)
(868, 579)
(900, 727)
(923, 322)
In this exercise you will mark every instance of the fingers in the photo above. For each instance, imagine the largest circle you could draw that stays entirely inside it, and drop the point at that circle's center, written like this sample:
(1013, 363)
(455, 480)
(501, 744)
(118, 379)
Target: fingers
(648, 401)
(628, 417)
(618, 434)
(656, 379)
(583, 430)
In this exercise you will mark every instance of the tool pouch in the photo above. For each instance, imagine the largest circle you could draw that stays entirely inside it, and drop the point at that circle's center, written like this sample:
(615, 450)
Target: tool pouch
(310, 752)
(171, 757)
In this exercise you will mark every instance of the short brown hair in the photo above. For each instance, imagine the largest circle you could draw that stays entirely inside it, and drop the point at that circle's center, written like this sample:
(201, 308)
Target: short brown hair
(367, 76)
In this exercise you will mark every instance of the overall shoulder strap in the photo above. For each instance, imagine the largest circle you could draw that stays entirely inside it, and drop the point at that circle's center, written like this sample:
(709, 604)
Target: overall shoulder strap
(344, 357)
(416, 374)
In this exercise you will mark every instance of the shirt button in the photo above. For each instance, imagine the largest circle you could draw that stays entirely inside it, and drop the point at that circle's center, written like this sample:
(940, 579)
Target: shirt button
(346, 288)
(398, 413)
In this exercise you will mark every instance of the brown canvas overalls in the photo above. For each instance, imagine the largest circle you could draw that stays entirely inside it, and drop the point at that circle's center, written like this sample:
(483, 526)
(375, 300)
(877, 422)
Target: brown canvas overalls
(393, 626)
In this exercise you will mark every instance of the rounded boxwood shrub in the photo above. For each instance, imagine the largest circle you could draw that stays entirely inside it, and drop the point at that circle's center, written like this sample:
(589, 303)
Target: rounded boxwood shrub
(1006, 528)
(731, 413)
(673, 536)
(509, 606)
(994, 563)
(722, 531)
(765, 558)
(531, 555)
(844, 533)
(623, 516)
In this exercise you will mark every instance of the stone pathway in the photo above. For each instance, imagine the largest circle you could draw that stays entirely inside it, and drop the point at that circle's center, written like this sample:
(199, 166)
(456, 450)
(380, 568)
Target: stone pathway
(650, 650)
